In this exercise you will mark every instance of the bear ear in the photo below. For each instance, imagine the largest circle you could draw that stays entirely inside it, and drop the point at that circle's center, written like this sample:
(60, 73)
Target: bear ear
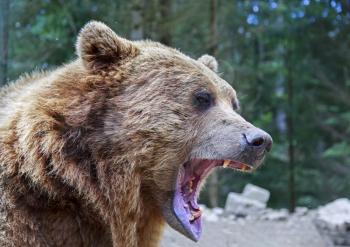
(99, 47)
(209, 61)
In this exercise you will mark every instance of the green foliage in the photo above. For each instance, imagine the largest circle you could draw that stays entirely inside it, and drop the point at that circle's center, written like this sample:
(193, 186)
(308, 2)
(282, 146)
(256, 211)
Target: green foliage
(338, 150)
(261, 45)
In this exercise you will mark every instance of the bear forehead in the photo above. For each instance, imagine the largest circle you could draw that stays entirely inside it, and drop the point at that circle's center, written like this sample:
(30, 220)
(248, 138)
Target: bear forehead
(204, 76)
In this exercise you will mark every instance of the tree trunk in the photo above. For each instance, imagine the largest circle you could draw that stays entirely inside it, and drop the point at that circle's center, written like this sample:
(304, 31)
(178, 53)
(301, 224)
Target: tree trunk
(4, 36)
(137, 31)
(165, 8)
(213, 188)
(213, 28)
(290, 132)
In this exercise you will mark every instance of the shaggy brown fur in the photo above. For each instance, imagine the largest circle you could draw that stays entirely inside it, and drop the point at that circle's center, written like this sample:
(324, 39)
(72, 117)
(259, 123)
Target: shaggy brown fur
(88, 152)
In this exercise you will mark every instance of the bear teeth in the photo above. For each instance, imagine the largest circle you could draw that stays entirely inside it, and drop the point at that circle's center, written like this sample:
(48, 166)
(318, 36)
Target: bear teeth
(195, 215)
(226, 163)
(190, 186)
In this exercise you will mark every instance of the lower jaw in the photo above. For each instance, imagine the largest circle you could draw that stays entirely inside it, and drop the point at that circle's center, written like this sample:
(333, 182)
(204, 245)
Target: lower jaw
(192, 229)
(184, 203)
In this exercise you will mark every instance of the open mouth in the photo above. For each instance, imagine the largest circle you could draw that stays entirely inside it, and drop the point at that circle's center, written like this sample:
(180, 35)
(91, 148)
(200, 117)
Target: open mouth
(189, 180)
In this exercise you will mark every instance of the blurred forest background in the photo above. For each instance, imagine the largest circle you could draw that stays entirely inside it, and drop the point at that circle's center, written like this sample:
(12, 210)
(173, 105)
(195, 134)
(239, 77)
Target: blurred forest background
(288, 60)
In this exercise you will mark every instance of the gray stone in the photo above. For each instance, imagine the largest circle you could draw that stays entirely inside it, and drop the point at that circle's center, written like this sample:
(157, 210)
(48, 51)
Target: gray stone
(242, 206)
(211, 217)
(218, 211)
(281, 215)
(256, 193)
(333, 220)
(335, 215)
(301, 211)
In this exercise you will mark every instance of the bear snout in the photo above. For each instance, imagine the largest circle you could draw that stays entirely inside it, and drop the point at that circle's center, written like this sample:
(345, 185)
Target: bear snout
(258, 139)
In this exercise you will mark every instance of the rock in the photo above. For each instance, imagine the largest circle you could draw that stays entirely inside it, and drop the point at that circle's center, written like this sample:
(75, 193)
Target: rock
(210, 216)
(256, 193)
(245, 233)
(336, 215)
(231, 217)
(218, 211)
(242, 206)
(301, 211)
(333, 219)
(276, 215)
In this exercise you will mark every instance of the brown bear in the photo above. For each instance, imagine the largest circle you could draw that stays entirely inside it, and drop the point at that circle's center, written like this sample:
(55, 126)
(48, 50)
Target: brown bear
(106, 149)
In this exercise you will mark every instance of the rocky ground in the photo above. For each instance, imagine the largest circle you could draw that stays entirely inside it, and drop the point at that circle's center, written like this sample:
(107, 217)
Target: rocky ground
(251, 233)
(247, 222)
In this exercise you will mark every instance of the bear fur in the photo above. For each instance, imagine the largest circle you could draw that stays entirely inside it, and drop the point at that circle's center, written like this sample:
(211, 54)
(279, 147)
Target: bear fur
(88, 151)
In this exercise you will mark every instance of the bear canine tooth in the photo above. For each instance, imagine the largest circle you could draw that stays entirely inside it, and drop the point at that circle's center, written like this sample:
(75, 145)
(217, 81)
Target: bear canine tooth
(192, 218)
(226, 163)
(246, 167)
(190, 184)
(195, 215)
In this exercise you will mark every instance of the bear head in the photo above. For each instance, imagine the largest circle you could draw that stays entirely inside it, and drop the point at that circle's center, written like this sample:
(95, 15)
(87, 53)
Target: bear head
(173, 118)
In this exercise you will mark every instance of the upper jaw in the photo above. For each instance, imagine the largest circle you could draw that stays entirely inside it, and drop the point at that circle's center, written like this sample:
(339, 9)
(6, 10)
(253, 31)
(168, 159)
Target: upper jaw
(182, 211)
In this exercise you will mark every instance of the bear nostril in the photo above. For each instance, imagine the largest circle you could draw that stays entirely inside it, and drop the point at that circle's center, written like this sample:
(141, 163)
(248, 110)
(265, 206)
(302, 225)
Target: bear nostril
(257, 142)
(258, 139)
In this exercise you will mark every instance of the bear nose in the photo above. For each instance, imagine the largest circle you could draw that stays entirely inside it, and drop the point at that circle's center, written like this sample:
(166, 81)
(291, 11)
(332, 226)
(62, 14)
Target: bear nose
(257, 138)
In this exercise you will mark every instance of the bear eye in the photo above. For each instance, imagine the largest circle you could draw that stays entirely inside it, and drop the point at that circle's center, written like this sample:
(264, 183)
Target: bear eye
(202, 100)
